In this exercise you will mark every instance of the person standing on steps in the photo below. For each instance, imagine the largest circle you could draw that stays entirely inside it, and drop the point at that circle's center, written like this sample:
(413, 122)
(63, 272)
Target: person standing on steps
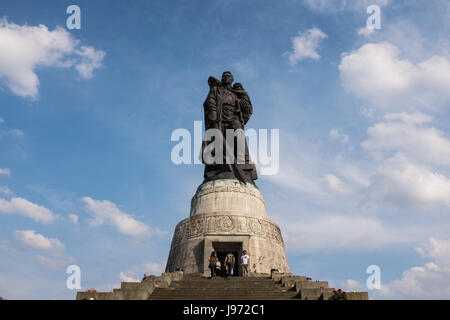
(229, 262)
(245, 260)
(218, 267)
(212, 264)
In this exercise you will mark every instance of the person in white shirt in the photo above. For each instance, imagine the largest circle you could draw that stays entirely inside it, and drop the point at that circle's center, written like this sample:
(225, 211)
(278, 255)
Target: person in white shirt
(245, 260)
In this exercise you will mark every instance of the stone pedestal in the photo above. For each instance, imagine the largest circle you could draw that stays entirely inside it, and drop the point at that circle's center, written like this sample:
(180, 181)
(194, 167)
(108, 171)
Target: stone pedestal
(227, 216)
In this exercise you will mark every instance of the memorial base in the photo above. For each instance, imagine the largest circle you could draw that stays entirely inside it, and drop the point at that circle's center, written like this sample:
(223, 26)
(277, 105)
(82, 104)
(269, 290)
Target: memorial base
(227, 216)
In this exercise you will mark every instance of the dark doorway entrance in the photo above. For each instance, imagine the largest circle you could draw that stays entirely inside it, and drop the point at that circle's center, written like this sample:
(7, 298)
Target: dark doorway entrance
(222, 249)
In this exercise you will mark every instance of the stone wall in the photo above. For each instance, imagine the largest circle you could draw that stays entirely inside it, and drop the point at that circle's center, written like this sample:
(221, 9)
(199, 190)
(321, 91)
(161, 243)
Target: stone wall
(134, 290)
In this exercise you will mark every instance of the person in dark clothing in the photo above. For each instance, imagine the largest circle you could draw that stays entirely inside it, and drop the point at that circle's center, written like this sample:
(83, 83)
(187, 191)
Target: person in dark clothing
(212, 264)
(229, 262)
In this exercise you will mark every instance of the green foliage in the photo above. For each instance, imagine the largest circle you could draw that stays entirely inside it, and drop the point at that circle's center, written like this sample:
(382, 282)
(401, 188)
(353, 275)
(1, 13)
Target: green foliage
(339, 295)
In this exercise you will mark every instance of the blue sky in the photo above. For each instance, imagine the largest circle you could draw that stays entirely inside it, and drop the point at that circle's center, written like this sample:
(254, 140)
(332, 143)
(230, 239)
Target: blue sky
(86, 118)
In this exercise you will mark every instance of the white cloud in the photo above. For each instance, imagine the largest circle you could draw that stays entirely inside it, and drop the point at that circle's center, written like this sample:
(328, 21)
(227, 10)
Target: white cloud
(305, 167)
(53, 262)
(429, 281)
(339, 232)
(17, 132)
(352, 172)
(367, 112)
(151, 268)
(407, 133)
(410, 184)
(12, 132)
(26, 208)
(409, 151)
(126, 278)
(336, 134)
(91, 60)
(73, 218)
(107, 212)
(353, 285)
(366, 32)
(5, 172)
(375, 72)
(335, 185)
(1, 120)
(32, 239)
(292, 178)
(350, 285)
(305, 45)
(5, 190)
(154, 267)
(409, 118)
(25, 48)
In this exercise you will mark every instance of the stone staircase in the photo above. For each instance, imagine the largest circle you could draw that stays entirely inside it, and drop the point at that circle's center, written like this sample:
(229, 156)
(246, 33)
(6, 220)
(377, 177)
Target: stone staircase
(195, 287)
(179, 286)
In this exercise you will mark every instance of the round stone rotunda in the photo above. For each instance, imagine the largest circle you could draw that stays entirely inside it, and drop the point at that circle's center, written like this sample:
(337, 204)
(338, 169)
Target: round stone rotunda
(227, 216)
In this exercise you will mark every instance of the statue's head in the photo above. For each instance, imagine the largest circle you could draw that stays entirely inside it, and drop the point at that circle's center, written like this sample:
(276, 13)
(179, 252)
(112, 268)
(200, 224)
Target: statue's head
(227, 78)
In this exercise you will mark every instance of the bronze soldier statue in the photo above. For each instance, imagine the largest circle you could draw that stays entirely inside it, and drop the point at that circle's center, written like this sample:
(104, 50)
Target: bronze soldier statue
(228, 108)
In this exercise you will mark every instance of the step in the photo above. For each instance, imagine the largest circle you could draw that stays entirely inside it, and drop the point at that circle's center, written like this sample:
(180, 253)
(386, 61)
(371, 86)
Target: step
(300, 285)
(234, 297)
(227, 283)
(316, 293)
(224, 292)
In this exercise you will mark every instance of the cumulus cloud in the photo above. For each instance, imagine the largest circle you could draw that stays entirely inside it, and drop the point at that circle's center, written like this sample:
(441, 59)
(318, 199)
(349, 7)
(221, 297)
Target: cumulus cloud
(359, 176)
(305, 45)
(366, 32)
(5, 172)
(290, 177)
(91, 60)
(73, 218)
(376, 73)
(429, 281)
(305, 169)
(154, 267)
(32, 239)
(335, 185)
(410, 153)
(353, 285)
(339, 232)
(26, 208)
(125, 278)
(12, 133)
(17, 132)
(336, 134)
(54, 262)
(405, 182)
(408, 133)
(107, 212)
(5, 190)
(350, 285)
(367, 112)
(26, 48)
